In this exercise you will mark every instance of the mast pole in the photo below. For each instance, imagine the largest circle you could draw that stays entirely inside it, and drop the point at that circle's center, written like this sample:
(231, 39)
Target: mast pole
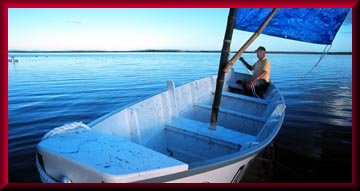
(225, 52)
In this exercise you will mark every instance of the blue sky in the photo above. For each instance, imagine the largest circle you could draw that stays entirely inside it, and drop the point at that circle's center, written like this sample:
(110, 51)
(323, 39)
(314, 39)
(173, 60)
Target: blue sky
(138, 29)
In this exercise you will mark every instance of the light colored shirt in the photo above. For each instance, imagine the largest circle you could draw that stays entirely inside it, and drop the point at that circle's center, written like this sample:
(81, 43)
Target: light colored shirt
(260, 66)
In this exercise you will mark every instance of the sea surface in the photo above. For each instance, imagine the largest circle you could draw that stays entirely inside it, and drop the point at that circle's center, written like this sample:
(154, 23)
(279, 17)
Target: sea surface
(47, 90)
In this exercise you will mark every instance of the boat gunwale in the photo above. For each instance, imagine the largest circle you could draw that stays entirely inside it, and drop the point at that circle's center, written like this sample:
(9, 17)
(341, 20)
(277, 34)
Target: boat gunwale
(102, 118)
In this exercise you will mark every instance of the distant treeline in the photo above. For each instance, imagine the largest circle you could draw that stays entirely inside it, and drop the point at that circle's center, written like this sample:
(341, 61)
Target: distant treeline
(150, 50)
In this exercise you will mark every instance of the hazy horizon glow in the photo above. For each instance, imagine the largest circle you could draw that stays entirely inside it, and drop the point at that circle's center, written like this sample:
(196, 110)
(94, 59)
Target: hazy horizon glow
(139, 29)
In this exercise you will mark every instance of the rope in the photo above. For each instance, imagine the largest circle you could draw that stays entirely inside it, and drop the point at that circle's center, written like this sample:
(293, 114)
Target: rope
(325, 51)
(252, 86)
(62, 129)
(253, 91)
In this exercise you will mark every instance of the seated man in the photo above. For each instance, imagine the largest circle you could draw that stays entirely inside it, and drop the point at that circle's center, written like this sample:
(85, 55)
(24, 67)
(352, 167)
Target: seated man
(260, 79)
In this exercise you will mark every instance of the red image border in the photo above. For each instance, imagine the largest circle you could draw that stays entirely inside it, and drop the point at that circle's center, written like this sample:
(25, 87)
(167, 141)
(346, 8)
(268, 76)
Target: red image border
(6, 4)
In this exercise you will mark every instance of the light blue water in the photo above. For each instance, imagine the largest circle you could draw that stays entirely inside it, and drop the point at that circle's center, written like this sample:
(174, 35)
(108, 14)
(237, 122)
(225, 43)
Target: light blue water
(49, 90)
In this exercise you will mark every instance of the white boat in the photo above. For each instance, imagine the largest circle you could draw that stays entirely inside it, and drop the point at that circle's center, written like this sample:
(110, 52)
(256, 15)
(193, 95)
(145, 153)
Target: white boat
(168, 137)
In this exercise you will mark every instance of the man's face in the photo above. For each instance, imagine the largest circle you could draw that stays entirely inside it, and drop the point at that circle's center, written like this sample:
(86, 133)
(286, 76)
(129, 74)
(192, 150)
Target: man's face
(260, 54)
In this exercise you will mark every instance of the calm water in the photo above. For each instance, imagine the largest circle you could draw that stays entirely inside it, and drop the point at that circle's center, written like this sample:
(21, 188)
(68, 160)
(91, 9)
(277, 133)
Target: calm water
(314, 144)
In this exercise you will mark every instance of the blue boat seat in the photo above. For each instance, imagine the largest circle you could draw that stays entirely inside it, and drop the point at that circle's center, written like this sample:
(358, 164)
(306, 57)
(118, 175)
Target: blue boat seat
(192, 140)
(226, 111)
(244, 97)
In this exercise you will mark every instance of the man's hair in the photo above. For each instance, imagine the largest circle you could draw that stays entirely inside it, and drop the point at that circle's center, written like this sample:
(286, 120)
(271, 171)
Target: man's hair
(260, 48)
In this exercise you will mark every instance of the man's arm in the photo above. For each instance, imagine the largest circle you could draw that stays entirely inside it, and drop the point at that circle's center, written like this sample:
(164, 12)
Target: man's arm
(248, 66)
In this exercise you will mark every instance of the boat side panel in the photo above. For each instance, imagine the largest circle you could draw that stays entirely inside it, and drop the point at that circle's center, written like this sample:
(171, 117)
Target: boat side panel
(116, 125)
(152, 114)
(191, 92)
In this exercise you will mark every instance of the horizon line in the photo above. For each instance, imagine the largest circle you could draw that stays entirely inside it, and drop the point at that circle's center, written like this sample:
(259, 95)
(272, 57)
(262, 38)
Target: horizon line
(163, 50)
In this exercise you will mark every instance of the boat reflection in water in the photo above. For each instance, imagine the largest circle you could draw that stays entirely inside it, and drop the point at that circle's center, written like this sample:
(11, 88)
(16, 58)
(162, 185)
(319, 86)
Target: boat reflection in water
(13, 60)
(313, 143)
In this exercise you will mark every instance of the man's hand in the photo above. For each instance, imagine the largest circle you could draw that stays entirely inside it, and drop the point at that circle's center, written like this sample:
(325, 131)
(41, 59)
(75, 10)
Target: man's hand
(253, 81)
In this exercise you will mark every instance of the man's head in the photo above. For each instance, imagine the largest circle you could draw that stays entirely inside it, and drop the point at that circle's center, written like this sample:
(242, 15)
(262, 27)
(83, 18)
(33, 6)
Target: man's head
(260, 52)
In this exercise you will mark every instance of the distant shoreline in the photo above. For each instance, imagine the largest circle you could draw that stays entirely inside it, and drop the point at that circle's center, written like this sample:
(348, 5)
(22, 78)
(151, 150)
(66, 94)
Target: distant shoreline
(170, 51)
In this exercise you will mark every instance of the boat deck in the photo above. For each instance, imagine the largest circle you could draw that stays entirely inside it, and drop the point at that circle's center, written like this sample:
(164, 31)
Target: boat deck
(107, 158)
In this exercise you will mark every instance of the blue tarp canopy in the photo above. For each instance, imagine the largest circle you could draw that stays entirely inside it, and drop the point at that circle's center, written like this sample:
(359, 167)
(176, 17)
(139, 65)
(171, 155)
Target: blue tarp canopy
(314, 25)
